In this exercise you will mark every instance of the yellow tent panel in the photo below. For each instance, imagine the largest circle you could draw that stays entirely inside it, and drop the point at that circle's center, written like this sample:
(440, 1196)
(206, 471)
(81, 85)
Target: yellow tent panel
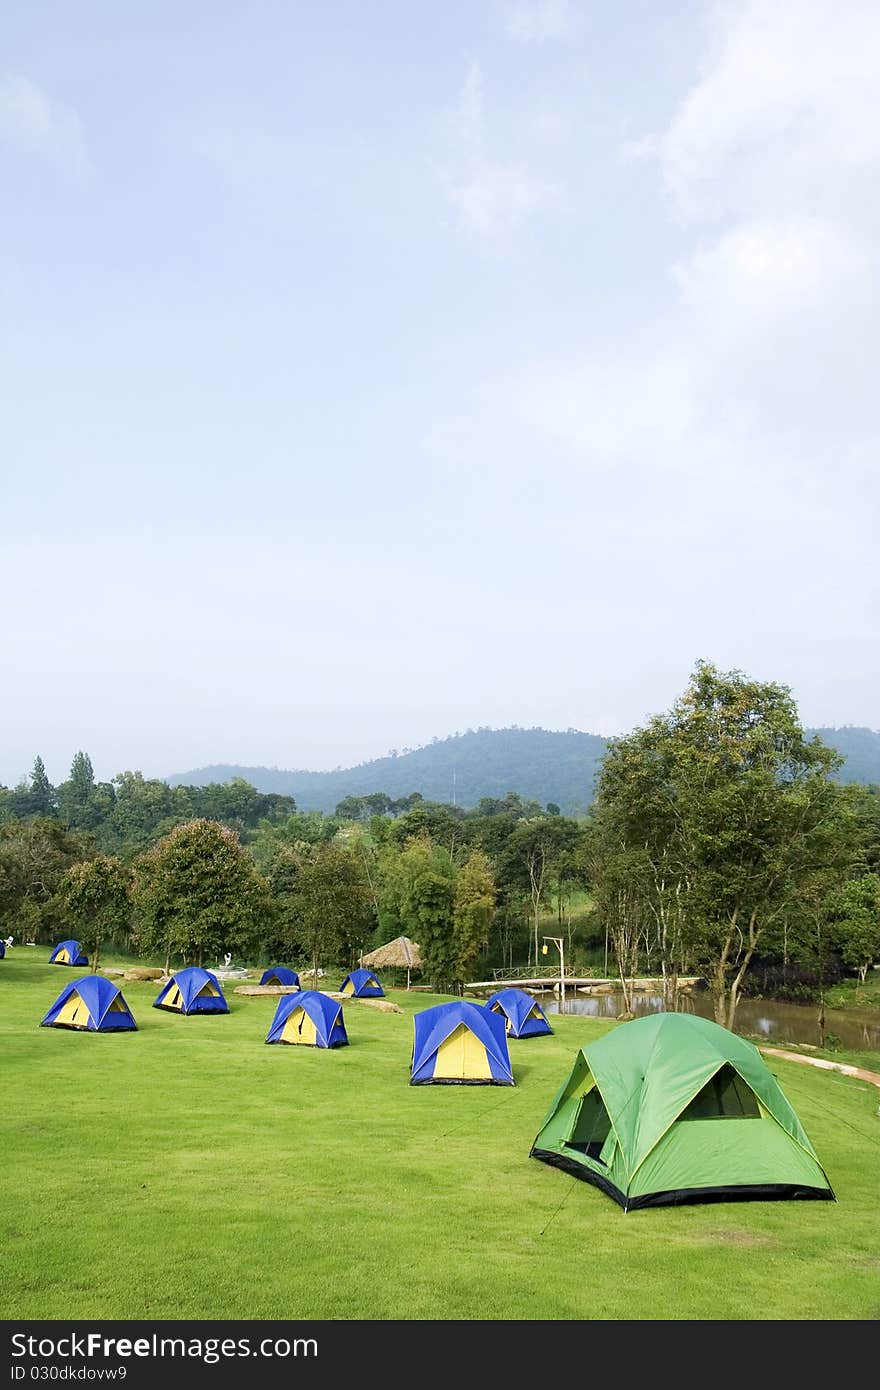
(299, 1028)
(74, 1012)
(462, 1056)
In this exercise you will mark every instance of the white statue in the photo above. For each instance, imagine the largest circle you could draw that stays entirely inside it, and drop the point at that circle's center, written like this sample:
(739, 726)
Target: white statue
(8, 942)
(227, 961)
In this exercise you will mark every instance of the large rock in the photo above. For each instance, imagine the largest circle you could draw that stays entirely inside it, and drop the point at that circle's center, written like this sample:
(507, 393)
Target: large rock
(266, 989)
(143, 972)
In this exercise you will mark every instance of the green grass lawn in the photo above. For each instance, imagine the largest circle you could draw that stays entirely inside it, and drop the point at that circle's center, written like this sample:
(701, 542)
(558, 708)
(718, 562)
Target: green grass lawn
(190, 1171)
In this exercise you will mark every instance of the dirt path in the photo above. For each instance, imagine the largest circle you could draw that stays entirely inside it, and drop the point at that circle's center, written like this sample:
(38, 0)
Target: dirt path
(844, 1067)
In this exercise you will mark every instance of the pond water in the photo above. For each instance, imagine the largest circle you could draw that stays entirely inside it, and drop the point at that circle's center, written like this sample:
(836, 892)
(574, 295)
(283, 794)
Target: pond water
(778, 1022)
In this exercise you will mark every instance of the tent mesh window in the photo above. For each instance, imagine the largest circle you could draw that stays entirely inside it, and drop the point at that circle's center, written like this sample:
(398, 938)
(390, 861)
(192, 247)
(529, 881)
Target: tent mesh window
(724, 1097)
(591, 1126)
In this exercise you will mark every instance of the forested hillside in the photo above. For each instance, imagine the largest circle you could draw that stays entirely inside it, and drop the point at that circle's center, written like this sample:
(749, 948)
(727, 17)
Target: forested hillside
(445, 845)
(548, 767)
(545, 766)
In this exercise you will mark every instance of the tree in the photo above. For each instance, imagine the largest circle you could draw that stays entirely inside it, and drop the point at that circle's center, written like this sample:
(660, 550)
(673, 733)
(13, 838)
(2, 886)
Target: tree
(856, 923)
(34, 857)
(426, 889)
(532, 851)
(96, 900)
(733, 808)
(326, 904)
(442, 824)
(81, 803)
(42, 793)
(473, 911)
(141, 807)
(198, 893)
(620, 877)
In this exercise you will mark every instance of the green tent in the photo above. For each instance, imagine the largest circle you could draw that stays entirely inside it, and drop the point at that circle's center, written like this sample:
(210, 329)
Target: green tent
(672, 1108)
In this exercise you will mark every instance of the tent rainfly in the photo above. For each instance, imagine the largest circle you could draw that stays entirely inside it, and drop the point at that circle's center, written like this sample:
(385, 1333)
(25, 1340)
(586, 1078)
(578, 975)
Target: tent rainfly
(523, 1015)
(362, 984)
(399, 954)
(673, 1108)
(279, 975)
(460, 1043)
(192, 991)
(68, 953)
(308, 1019)
(91, 1004)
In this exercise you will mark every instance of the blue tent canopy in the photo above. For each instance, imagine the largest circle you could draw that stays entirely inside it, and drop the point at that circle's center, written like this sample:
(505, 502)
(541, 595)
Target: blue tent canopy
(91, 1004)
(309, 1018)
(363, 984)
(524, 1016)
(68, 953)
(2, 949)
(192, 991)
(460, 1042)
(279, 975)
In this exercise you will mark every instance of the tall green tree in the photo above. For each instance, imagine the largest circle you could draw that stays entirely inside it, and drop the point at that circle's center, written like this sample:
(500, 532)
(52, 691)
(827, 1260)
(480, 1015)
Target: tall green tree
(96, 902)
(83, 804)
(856, 923)
(473, 912)
(734, 806)
(197, 893)
(426, 895)
(35, 855)
(531, 857)
(621, 881)
(326, 903)
(42, 793)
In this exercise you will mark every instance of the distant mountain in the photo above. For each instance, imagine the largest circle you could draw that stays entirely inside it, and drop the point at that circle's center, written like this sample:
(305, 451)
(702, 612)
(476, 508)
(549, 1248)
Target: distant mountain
(860, 747)
(558, 767)
(555, 767)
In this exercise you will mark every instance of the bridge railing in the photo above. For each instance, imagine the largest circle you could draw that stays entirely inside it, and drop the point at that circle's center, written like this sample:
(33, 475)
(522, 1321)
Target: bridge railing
(535, 972)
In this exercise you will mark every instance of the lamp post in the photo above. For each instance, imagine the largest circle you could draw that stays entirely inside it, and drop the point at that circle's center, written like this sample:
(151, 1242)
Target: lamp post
(558, 942)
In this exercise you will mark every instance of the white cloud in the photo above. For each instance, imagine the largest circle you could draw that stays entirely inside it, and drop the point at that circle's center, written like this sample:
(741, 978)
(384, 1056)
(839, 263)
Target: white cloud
(533, 21)
(33, 122)
(761, 362)
(768, 275)
(787, 95)
(493, 198)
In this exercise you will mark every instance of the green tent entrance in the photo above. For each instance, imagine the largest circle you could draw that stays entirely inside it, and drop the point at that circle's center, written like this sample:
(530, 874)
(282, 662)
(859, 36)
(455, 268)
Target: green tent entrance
(673, 1108)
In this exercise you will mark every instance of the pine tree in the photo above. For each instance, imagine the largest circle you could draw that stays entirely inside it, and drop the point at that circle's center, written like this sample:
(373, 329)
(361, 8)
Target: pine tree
(42, 793)
(82, 777)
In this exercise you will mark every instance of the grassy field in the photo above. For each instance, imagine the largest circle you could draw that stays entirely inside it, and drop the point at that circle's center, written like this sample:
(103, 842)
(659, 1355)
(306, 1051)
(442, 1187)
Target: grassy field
(189, 1171)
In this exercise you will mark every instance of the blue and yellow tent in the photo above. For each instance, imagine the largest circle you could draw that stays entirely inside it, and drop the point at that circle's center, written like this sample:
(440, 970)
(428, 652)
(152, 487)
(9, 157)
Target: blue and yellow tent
(524, 1017)
(192, 991)
(68, 953)
(460, 1043)
(309, 1019)
(279, 975)
(91, 1004)
(2, 949)
(362, 984)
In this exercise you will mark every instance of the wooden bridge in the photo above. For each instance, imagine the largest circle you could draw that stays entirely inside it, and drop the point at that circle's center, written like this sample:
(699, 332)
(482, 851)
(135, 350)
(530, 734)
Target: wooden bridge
(588, 984)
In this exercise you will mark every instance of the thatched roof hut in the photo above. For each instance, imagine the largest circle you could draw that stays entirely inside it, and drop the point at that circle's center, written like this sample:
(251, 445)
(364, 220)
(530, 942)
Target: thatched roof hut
(399, 954)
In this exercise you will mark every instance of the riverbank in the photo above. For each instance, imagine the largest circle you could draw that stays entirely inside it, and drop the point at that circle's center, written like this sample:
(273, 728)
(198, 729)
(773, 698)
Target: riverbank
(852, 994)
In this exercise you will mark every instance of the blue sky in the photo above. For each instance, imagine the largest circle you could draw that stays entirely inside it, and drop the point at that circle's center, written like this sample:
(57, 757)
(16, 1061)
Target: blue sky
(370, 372)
